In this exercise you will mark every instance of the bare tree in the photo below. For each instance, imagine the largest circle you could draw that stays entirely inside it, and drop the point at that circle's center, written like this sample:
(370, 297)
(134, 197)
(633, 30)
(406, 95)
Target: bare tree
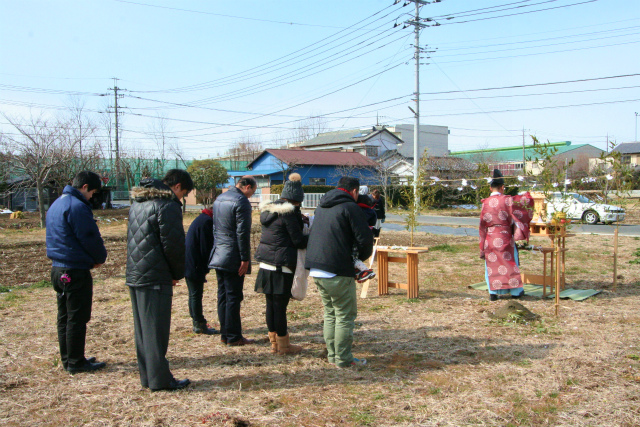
(158, 131)
(40, 148)
(246, 148)
(308, 128)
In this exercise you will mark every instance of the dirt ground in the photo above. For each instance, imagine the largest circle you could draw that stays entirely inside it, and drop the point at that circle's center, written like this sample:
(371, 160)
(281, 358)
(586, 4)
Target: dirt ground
(438, 360)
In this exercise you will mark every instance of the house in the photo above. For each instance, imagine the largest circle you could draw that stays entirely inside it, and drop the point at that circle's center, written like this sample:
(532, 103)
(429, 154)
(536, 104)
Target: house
(629, 153)
(400, 168)
(512, 160)
(434, 139)
(371, 142)
(272, 166)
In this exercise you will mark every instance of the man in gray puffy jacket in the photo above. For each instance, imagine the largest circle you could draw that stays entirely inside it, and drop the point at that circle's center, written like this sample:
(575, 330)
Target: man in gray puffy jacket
(231, 255)
(155, 263)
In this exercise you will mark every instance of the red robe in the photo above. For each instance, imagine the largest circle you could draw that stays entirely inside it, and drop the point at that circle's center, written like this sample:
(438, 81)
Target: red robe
(503, 220)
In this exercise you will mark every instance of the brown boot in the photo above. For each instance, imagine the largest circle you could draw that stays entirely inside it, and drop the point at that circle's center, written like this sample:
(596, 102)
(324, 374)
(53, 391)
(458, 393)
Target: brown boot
(274, 342)
(285, 347)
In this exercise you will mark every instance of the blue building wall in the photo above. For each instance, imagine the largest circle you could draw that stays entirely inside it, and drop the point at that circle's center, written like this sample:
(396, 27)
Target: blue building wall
(331, 174)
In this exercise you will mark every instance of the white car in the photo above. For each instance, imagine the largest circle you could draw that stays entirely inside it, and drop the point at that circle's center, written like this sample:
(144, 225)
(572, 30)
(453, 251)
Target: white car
(577, 206)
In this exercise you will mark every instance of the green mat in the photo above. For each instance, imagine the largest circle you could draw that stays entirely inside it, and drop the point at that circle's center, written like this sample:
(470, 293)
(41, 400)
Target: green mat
(536, 291)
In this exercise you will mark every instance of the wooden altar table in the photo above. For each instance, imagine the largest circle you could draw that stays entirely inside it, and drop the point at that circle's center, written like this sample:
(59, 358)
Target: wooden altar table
(411, 260)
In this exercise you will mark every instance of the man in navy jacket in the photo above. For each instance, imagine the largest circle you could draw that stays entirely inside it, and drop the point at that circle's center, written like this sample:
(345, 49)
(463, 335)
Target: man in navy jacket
(75, 247)
(198, 244)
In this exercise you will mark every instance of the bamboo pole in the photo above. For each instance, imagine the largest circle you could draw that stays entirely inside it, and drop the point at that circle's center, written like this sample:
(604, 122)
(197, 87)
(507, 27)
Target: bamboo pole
(615, 260)
(557, 275)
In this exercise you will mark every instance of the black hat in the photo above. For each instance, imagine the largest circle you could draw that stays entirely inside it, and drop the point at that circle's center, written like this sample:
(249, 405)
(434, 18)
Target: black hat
(293, 188)
(497, 180)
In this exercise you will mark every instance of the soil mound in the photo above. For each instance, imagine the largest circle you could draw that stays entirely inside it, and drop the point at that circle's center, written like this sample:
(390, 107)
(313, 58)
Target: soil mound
(514, 309)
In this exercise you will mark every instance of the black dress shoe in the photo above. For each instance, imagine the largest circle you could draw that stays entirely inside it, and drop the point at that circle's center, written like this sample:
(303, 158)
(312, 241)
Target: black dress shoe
(91, 359)
(240, 342)
(203, 328)
(87, 367)
(175, 385)
(518, 296)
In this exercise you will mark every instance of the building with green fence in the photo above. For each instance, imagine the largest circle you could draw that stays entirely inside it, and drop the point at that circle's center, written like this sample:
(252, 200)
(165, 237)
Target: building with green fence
(517, 159)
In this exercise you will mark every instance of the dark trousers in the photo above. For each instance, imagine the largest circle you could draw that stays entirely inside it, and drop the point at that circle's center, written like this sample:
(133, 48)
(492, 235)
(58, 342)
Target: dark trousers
(277, 313)
(152, 322)
(74, 311)
(229, 298)
(196, 289)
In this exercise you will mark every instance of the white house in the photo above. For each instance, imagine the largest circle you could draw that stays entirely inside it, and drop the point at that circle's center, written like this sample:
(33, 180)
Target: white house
(370, 142)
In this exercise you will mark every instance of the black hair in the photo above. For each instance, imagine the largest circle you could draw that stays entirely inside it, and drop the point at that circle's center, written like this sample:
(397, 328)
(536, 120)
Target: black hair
(349, 183)
(87, 177)
(247, 180)
(365, 199)
(179, 176)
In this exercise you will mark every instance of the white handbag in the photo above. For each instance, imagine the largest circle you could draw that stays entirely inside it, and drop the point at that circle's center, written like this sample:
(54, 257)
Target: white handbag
(301, 276)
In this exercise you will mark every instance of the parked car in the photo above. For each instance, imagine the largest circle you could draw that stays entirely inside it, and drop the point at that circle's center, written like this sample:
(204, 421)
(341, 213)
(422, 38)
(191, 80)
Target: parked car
(577, 206)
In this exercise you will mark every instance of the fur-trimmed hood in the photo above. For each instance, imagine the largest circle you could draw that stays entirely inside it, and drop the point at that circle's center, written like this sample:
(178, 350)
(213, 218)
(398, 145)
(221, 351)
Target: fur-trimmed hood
(269, 210)
(150, 189)
(279, 206)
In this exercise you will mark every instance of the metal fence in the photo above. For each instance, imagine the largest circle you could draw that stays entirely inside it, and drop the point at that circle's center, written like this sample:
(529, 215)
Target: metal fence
(120, 195)
(311, 200)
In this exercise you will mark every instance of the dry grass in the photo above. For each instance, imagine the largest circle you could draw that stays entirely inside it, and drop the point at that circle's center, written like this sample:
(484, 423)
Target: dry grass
(436, 360)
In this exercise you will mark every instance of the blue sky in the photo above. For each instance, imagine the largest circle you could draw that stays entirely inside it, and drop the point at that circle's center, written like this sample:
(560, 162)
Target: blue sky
(223, 71)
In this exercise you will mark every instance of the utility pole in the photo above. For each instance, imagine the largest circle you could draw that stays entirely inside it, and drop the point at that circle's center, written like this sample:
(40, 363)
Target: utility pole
(115, 90)
(636, 140)
(416, 131)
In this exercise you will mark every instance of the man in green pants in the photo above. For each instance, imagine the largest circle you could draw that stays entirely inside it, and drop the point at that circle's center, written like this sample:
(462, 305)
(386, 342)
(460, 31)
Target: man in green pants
(339, 233)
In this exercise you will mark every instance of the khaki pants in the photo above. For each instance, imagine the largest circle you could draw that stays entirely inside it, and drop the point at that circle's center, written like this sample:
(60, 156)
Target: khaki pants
(340, 310)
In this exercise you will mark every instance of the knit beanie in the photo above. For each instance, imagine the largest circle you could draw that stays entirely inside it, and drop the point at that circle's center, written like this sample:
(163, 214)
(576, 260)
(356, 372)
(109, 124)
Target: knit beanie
(293, 188)
(364, 190)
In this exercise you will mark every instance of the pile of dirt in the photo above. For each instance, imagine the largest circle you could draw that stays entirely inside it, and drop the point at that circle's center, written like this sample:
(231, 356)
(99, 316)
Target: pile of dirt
(514, 309)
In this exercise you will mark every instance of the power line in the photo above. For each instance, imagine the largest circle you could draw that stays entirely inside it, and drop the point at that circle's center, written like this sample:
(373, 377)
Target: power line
(278, 62)
(226, 16)
(533, 84)
(535, 108)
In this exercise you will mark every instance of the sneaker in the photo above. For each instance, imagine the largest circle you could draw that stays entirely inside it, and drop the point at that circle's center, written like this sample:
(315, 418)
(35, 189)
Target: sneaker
(365, 275)
(358, 362)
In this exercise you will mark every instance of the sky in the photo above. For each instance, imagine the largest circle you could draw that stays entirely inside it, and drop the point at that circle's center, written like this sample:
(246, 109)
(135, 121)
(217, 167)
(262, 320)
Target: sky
(211, 73)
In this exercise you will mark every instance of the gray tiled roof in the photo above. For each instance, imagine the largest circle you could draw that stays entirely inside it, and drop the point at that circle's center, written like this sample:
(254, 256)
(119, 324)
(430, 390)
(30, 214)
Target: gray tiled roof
(628, 148)
(343, 136)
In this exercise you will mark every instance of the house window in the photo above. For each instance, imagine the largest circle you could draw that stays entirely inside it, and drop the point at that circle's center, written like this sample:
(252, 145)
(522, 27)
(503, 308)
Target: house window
(372, 151)
(625, 159)
(317, 181)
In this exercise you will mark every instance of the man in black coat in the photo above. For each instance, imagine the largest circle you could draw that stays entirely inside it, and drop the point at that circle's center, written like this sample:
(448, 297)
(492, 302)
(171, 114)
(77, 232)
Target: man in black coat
(155, 263)
(339, 225)
(199, 243)
(231, 255)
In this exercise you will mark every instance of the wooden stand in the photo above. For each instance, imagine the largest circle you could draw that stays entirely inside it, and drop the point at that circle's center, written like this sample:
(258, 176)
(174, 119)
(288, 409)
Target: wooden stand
(412, 270)
(365, 284)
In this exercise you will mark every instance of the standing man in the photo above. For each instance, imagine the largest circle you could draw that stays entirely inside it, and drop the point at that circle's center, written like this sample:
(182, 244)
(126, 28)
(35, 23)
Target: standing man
(231, 256)
(378, 205)
(339, 226)
(75, 247)
(199, 243)
(155, 263)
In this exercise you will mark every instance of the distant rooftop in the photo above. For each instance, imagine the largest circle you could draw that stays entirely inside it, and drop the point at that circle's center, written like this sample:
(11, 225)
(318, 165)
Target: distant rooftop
(628, 148)
(346, 136)
(326, 158)
(514, 154)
